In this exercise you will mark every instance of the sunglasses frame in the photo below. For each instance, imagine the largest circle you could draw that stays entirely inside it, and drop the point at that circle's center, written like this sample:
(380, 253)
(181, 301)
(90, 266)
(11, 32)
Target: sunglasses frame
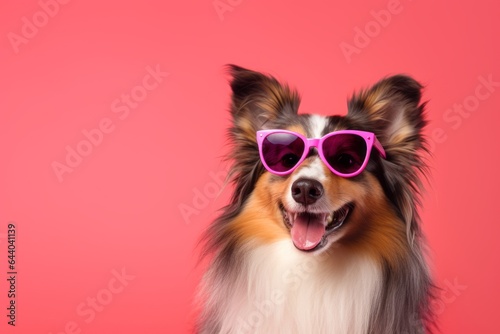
(369, 137)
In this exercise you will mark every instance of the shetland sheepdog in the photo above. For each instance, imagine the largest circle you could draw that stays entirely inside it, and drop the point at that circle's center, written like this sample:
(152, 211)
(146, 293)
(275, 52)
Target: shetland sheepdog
(321, 234)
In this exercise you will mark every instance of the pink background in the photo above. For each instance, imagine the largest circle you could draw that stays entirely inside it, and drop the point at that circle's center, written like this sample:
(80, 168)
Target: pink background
(120, 207)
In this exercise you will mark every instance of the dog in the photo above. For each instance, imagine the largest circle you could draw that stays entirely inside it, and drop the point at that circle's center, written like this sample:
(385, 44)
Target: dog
(322, 232)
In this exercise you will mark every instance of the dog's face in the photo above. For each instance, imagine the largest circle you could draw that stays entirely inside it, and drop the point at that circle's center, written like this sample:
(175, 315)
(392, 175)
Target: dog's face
(312, 205)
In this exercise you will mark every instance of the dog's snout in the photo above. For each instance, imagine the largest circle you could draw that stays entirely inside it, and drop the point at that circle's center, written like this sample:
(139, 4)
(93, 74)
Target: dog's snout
(306, 191)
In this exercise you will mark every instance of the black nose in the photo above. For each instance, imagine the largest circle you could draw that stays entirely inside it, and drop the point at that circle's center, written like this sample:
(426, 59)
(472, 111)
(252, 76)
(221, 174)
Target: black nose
(306, 191)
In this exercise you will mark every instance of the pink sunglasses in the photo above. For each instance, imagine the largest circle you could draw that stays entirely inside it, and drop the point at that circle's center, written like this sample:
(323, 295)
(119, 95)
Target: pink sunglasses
(345, 152)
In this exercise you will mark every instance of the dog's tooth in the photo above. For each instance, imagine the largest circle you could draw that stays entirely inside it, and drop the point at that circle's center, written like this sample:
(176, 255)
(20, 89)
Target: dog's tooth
(329, 218)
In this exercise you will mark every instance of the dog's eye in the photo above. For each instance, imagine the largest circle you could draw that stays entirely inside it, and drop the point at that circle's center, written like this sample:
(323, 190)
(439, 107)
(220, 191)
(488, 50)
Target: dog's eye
(289, 160)
(344, 160)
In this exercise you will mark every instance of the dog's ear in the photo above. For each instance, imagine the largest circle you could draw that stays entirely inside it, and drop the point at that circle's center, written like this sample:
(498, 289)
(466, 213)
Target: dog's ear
(258, 99)
(393, 110)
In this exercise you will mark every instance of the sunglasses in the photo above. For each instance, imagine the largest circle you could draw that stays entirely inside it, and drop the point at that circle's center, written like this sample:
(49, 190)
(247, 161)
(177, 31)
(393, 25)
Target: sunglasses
(345, 152)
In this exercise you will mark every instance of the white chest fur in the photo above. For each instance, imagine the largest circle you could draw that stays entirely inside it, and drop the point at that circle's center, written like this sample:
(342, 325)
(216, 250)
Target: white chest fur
(283, 290)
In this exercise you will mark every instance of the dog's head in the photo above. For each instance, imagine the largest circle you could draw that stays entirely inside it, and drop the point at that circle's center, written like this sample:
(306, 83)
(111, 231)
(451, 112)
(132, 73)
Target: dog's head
(312, 205)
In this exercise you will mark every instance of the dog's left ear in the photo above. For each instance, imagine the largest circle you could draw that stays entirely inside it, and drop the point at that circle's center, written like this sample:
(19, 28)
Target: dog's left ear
(393, 110)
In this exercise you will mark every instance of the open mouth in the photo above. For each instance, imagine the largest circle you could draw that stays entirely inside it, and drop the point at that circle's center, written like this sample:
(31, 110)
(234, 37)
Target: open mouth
(310, 229)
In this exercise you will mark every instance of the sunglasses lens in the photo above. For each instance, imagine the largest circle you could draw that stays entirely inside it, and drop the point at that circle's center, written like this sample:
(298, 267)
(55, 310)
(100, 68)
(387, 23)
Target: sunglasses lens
(345, 152)
(282, 151)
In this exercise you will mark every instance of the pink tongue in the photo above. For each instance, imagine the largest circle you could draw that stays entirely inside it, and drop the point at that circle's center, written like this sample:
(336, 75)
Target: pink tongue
(307, 231)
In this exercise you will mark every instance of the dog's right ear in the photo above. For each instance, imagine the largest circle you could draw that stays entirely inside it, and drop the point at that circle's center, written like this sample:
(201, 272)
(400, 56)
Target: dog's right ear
(258, 99)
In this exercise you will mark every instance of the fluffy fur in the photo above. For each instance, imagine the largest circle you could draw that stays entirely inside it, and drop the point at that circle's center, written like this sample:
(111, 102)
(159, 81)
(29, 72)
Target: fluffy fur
(369, 275)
